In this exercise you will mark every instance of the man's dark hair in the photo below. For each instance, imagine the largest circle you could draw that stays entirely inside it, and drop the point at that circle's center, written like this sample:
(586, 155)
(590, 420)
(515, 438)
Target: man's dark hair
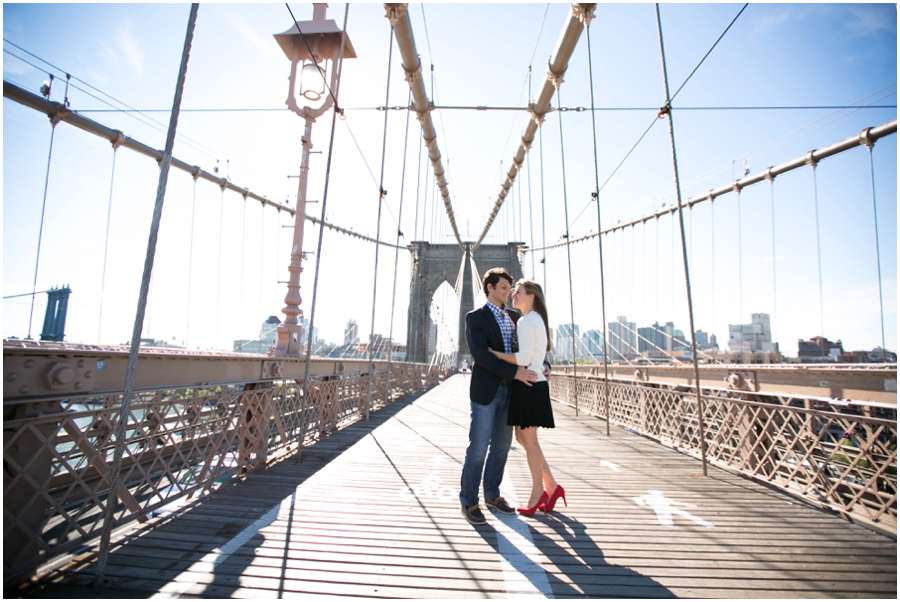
(493, 276)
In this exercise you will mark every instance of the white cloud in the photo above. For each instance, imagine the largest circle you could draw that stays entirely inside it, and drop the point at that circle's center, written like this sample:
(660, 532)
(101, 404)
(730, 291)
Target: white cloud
(255, 40)
(868, 20)
(126, 49)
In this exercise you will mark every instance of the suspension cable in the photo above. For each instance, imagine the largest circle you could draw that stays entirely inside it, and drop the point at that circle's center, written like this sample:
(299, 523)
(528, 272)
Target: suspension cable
(219, 261)
(37, 259)
(312, 316)
(562, 154)
(112, 180)
(187, 334)
(397, 257)
(243, 245)
(712, 259)
(116, 468)
(596, 199)
(740, 272)
(543, 212)
(870, 146)
(687, 278)
(381, 195)
(418, 181)
(708, 52)
(530, 214)
(812, 164)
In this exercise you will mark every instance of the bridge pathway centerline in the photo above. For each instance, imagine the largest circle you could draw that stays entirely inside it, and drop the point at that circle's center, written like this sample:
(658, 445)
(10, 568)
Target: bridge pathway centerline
(376, 514)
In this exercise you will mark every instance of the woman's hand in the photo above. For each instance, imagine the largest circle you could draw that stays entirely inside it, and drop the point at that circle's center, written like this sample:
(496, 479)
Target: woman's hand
(497, 353)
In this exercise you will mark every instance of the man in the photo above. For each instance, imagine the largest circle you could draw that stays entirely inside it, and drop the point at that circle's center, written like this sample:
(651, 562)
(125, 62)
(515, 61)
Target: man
(491, 326)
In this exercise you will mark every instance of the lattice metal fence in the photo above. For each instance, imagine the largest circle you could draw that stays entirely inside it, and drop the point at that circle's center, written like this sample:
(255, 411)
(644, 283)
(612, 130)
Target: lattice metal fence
(57, 453)
(837, 454)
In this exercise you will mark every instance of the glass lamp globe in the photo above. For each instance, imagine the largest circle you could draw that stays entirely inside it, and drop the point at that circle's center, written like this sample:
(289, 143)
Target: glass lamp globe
(312, 82)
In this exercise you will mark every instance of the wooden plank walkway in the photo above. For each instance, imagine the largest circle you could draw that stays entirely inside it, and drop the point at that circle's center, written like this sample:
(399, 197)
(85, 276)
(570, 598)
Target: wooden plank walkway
(374, 512)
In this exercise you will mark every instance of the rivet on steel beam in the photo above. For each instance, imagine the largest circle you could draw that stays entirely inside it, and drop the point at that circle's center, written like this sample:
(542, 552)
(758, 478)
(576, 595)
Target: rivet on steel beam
(12, 376)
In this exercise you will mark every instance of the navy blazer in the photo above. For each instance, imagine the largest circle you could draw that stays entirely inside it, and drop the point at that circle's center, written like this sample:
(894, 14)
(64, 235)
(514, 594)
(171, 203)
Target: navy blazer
(482, 333)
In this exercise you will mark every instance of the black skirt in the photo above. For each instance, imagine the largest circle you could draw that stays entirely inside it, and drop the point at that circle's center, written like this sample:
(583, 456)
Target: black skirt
(530, 406)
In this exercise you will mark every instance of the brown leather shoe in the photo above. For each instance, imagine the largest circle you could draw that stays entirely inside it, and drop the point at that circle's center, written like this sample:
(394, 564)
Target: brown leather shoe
(474, 515)
(501, 505)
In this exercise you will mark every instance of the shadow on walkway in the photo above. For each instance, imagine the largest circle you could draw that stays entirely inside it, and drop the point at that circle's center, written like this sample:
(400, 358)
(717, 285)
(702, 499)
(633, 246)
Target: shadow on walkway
(172, 536)
(576, 563)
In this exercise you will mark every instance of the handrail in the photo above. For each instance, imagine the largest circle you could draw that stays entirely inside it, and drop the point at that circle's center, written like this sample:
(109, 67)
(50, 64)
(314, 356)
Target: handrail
(832, 454)
(182, 441)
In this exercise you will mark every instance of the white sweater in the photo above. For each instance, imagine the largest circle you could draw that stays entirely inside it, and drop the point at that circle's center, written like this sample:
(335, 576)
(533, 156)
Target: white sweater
(532, 343)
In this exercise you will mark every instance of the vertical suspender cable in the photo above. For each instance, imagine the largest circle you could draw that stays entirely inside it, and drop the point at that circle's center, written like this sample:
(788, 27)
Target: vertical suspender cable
(877, 252)
(562, 154)
(112, 180)
(530, 209)
(187, 325)
(543, 212)
(387, 387)
(219, 261)
(37, 259)
(418, 180)
(774, 257)
(712, 259)
(262, 263)
(312, 315)
(667, 110)
(740, 275)
(243, 244)
(812, 164)
(596, 196)
(116, 468)
(381, 193)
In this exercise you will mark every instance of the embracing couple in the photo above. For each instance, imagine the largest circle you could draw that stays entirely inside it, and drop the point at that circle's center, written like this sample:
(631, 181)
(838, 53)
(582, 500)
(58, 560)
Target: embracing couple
(508, 389)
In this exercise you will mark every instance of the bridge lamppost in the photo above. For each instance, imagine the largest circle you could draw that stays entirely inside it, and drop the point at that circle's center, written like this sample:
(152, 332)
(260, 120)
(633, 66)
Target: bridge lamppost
(315, 46)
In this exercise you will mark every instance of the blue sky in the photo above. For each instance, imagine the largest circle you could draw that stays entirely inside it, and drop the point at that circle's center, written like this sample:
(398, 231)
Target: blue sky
(775, 55)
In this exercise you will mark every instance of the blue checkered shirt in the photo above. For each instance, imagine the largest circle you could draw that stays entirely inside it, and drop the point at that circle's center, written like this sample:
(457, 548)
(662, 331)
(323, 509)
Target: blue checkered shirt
(507, 326)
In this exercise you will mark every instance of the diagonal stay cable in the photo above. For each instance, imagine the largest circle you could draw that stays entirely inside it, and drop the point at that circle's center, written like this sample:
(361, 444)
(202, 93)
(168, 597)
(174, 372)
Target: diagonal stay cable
(673, 97)
(740, 12)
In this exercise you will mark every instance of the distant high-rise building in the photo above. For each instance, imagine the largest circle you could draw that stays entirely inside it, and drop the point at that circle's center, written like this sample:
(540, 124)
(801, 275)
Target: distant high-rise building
(756, 336)
(593, 342)
(565, 330)
(562, 345)
(702, 339)
(351, 333)
(268, 335)
(622, 339)
(653, 338)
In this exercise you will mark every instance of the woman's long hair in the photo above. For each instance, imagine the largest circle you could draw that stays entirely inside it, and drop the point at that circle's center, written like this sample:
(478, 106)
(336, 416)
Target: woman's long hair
(540, 306)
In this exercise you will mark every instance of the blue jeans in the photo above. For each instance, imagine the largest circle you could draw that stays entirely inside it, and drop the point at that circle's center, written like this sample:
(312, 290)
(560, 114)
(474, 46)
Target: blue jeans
(490, 438)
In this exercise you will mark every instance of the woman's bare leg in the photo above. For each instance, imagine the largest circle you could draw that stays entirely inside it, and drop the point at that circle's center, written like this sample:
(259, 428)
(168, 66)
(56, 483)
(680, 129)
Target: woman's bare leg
(549, 482)
(527, 437)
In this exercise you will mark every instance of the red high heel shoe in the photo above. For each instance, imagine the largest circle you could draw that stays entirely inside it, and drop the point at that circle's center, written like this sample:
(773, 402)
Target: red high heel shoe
(559, 492)
(533, 509)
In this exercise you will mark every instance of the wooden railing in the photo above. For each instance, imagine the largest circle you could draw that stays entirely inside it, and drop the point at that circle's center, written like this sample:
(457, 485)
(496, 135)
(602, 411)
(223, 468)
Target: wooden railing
(58, 451)
(836, 454)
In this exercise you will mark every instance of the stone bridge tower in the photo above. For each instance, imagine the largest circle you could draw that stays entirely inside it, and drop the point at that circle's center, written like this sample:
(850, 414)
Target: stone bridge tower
(430, 266)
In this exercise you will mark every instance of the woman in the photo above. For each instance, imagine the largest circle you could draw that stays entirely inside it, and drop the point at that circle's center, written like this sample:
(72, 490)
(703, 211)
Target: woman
(529, 407)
